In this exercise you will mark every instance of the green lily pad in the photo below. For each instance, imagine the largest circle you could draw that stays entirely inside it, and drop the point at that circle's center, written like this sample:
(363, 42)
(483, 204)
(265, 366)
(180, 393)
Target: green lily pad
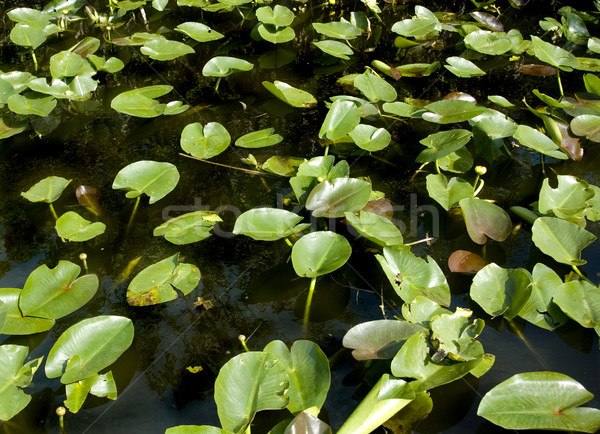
(338, 30)
(275, 35)
(15, 323)
(336, 197)
(279, 16)
(588, 126)
(153, 178)
(501, 291)
(486, 42)
(198, 31)
(568, 199)
(318, 167)
(290, 95)
(451, 111)
(154, 284)
(47, 190)
(494, 124)
(163, 49)
(455, 337)
(538, 141)
(443, 143)
(65, 64)
(320, 253)
(205, 141)
(72, 227)
(370, 138)
(268, 224)
(374, 87)
(417, 69)
(188, 228)
(485, 219)
(14, 377)
(341, 119)
(422, 24)
(282, 165)
(561, 240)
(141, 102)
(375, 228)
(28, 35)
(259, 139)
(334, 48)
(89, 346)
(31, 103)
(101, 385)
(580, 300)
(448, 193)
(553, 55)
(463, 68)
(540, 400)
(222, 66)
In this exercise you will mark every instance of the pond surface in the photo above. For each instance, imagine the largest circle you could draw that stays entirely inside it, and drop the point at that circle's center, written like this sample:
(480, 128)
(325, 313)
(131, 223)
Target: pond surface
(250, 286)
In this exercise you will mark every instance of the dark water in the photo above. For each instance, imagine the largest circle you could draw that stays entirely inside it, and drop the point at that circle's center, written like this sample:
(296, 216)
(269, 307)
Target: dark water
(252, 284)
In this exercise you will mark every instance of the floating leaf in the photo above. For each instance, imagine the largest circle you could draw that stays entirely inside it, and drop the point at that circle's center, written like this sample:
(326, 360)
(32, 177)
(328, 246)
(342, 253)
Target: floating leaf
(153, 178)
(451, 111)
(275, 35)
(561, 240)
(89, 346)
(454, 336)
(494, 124)
(65, 64)
(162, 49)
(28, 35)
(411, 276)
(334, 198)
(222, 66)
(341, 119)
(259, 139)
(463, 261)
(501, 291)
(195, 429)
(568, 199)
(443, 143)
(374, 87)
(420, 25)
(488, 20)
(198, 31)
(248, 383)
(375, 228)
(580, 300)
(14, 377)
(47, 190)
(15, 323)
(380, 339)
(279, 16)
(290, 95)
(102, 385)
(588, 126)
(320, 253)
(31, 103)
(308, 372)
(72, 227)
(141, 102)
(334, 48)
(280, 165)
(370, 138)
(537, 70)
(417, 69)
(553, 55)
(421, 310)
(538, 141)
(540, 400)
(205, 141)
(337, 30)
(318, 167)
(485, 219)
(90, 198)
(268, 224)
(154, 284)
(486, 42)
(463, 68)
(188, 228)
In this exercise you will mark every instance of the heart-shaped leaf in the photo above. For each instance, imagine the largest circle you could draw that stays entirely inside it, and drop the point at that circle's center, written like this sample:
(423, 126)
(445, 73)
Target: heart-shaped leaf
(336, 197)
(222, 66)
(141, 102)
(337, 29)
(72, 227)
(588, 126)
(290, 94)
(538, 141)
(163, 49)
(568, 199)
(463, 68)
(375, 228)
(380, 339)
(89, 346)
(553, 55)
(188, 228)
(198, 31)
(320, 253)
(486, 42)
(443, 143)
(14, 322)
(448, 193)
(463, 261)
(370, 138)
(259, 139)
(334, 48)
(341, 119)
(451, 111)
(153, 178)
(580, 300)
(47, 190)
(205, 141)
(374, 87)
(485, 219)
(279, 16)
(561, 240)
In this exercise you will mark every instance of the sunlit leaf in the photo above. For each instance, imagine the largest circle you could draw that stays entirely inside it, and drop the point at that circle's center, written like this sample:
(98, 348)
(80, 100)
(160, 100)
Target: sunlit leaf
(463, 68)
(443, 143)
(162, 49)
(268, 224)
(153, 178)
(290, 95)
(205, 141)
(451, 111)
(337, 30)
(14, 377)
(538, 141)
(198, 31)
(222, 66)
(320, 253)
(341, 119)
(580, 300)
(188, 228)
(561, 240)
(485, 219)
(47, 190)
(486, 42)
(259, 139)
(375, 228)
(334, 48)
(380, 339)
(334, 198)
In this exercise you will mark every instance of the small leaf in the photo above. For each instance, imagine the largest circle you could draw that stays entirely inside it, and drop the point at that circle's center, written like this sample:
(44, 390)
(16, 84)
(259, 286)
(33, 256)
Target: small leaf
(268, 224)
(486, 42)
(198, 31)
(370, 138)
(451, 111)
(334, 198)
(553, 55)
(290, 95)
(162, 49)
(320, 253)
(334, 48)
(188, 228)
(222, 66)
(14, 377)
(380, 339)
(463, 68)
(205, 141)
(31, 103)
(588, 126)
(443, 143)
(341, 119)
(463, 261)
(580, 300)
(375, 228)
(72, 227)
(259, 139)
(47, 190)
(374, 87)
(485, 219)
(337, 30)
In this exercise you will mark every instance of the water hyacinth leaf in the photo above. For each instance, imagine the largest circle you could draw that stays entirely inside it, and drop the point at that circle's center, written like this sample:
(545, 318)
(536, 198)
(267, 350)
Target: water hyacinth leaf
(568, 199)
(374, 87)
(268, 224)
(540, 308)
(188, 228)
(248, 383)
(413, 361)
(65, 64)
(308, 372)
(14, 377)
(320, 253)
(341, 119)
(375, 228)
(540, 400)
(281, 165)
(198, 31)
(338, 30)
(501, 291)
(259, 139)
(162, 49)
(411, 276)
(443, 143)
(486, 42)
(222, 66)
(290, 95)
(103, 385)
(463, 68)
(588, 126)
(205, 141)
(538, 141)
(454, 336)
(336, 197)
(89, 346)
(57, 292)
(334, 48)
(370, 138)
(485, 219)
(153, 178)
(580, 300)
(47, 190)
(141, 102)
(463, 261)
(561, 240)
(72, 227)
(15, 323)
(155, 283)
(379, 339)
(279, 16)
(451, 111)
(31, 103)
(553, 55)
(275, 35)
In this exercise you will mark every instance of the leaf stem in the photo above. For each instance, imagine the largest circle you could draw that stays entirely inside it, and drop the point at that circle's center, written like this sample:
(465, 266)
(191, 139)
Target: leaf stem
(288, 242)
(35, 61)
(53, 211)
(135, 208)
(580, 274)
(326, 150)
(311, 291)
(560, 86)
(217, 85)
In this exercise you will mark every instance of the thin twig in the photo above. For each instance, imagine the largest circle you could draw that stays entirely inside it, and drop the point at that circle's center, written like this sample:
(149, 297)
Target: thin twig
(251, 172)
